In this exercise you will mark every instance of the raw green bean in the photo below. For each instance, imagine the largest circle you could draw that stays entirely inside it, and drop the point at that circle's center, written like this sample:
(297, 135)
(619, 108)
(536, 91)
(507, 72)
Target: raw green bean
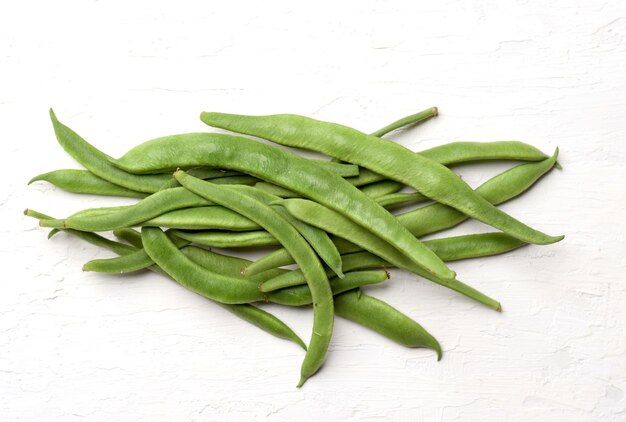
(153, 206)
(92, 238)
(165, 254)
(302, 253)
(278, 258)
(227, 239)
(386, 158)
(326, 219)
(384, 319)
(301, 295)
(99, 163)
(265, 321)
(203, 218)
(448, 249)
(135, 261)
(340, 169)
(474, 245)
(413, 119)
(285, 169)
(84, 181)
(130, 236)
(507, 185)
(463, 152)
(384, 187)
(399, 199)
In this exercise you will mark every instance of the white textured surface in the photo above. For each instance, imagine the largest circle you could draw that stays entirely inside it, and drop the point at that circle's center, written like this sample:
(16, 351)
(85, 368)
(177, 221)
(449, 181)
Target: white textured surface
(78, 346)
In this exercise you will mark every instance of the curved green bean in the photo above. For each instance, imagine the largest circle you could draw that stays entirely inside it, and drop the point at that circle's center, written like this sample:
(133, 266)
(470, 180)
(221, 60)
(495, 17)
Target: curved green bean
(227, 239)
(265, 321)
(301, 295)
(99, 219)
(384, 319)
(165, 254)
(295, 173)
(500, 188)
(326, 219)
(99, 163)
(384, 187)
(413, 119)
(135, 261)
(84, 181)
(389, 159)
(203, 218)
(302, 253)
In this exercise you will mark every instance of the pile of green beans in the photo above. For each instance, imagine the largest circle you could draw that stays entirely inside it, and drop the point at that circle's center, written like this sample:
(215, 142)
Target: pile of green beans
(332, 219)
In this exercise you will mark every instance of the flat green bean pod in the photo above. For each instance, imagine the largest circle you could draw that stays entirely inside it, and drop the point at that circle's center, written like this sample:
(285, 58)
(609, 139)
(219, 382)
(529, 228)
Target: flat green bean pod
(463, 152)
(301, 295)
(384, 187)
(296, 173)
(335, 223)
(384, 319)
(391, 160)
(504, 186)
(84, 181)
(165, 254)
(413, 119)
(227, 239)
(99, 163)
(135, 261)
(203, 218)
(150, 207)
(302, 253)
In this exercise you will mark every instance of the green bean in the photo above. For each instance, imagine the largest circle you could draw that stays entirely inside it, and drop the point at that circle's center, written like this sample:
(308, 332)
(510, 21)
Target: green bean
(130, 236)
(399, 199)
(153, 206)
(449, 249)
(384, 187)
(227, 239)
(98, 163)
(84, 181)
(301, 295)
(454, 153)
(265, 321)
(413, 119)
(474, 245)
(92, 238)
(165, 254)
(298, 248)
(384, 319)
(326, 219)
(507, 185)
(278, 258)
(135, 261)
(285, 169)
(389, 159)
(463, 152)
(203, 218)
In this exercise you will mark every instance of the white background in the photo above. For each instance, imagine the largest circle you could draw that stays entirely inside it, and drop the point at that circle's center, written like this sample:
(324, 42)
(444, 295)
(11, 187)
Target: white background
(80, 346)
